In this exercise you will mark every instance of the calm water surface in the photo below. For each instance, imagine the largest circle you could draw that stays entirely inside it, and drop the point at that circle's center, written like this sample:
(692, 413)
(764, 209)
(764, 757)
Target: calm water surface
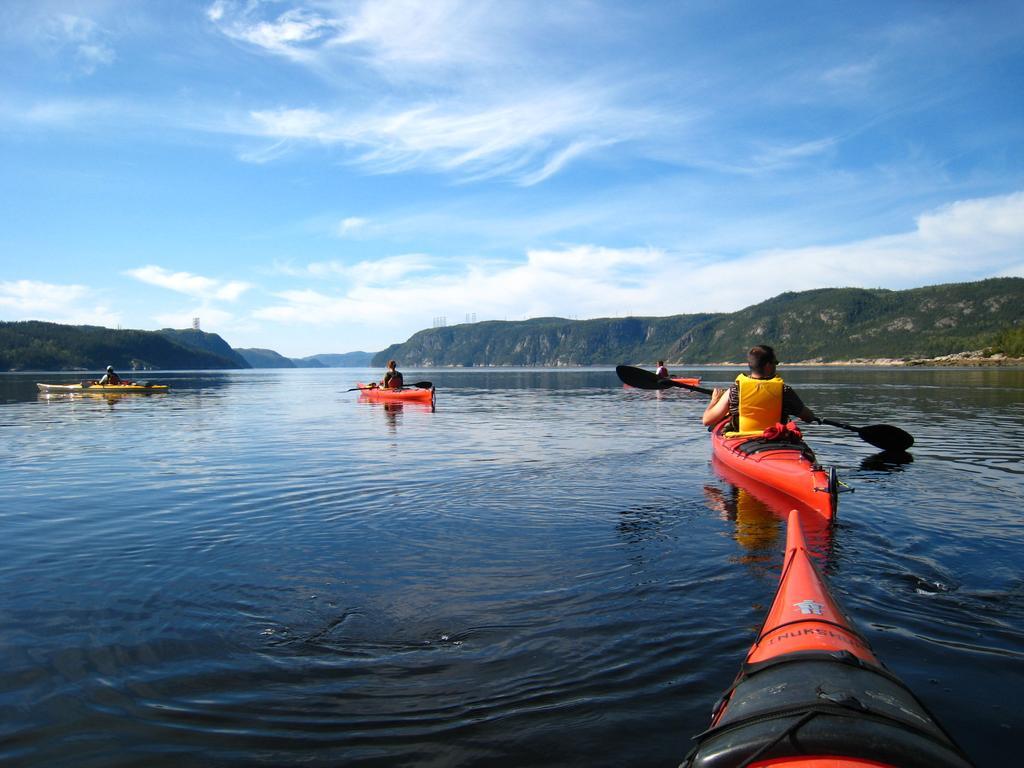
(258, 568)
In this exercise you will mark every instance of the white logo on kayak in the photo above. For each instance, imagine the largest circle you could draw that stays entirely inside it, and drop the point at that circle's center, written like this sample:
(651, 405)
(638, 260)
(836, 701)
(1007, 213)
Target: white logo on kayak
(809, 606)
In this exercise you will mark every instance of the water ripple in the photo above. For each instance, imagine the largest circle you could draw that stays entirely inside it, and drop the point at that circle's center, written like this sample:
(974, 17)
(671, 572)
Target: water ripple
(259, 569)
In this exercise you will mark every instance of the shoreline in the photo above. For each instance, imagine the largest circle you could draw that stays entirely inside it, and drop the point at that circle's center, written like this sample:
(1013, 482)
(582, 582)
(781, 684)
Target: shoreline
(958, 360)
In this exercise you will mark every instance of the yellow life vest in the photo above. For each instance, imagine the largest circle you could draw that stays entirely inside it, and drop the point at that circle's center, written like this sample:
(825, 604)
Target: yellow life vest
(760, 405)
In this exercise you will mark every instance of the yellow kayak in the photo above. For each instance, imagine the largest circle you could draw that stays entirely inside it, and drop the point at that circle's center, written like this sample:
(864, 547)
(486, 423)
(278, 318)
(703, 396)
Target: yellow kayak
(87, 387)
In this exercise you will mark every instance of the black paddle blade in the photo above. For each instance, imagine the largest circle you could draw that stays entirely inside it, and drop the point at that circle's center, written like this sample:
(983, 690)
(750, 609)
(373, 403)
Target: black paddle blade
(883, 436)
(641, 379)
(886, 437)
(644, 379)
(424, 385)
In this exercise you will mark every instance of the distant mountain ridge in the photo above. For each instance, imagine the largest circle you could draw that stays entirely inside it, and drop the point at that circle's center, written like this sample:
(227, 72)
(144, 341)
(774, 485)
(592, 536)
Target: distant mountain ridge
(204, 342)
(265, 358)
(268, 358)
(822, 325)
(343, 360)
(34, 345)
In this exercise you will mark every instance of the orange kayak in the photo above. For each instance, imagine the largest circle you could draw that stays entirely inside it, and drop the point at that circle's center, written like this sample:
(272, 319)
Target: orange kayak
(812, 694)
(405, 394)
(790, 468)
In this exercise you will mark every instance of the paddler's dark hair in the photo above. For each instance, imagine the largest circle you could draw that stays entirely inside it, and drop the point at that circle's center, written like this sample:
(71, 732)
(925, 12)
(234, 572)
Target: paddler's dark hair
(760, 356)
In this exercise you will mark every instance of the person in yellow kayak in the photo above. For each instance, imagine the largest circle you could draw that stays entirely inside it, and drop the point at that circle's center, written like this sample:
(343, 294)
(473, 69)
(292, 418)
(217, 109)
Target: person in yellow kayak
(757, 401)
(392, 378)
(110, 377)
(662, 372)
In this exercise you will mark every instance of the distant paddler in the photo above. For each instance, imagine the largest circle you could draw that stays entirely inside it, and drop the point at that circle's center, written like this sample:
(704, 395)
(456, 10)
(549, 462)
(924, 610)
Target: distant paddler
(110, 377)
(392, 378)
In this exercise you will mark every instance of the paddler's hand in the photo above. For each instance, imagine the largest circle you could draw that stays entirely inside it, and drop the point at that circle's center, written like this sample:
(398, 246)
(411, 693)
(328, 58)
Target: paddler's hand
(716, 395)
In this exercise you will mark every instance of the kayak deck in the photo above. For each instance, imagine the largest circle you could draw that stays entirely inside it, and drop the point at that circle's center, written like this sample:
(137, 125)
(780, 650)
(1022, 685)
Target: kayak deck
(812, 693)
(790, 468)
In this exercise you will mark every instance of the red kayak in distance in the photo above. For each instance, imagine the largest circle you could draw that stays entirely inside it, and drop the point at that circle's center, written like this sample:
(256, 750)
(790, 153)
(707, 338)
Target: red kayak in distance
(405, 394)
(790, 468)
(812, 694)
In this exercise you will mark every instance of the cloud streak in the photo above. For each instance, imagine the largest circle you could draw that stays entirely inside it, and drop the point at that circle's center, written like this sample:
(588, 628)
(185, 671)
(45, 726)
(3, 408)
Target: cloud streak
(196, 286)
(52, 302)
(87, 43)
(527, 139)
(592, 281)
(481, 120)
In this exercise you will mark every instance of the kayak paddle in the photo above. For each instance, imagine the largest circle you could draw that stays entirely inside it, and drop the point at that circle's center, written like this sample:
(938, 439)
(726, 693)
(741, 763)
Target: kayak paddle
(883, 436)
(643, 379)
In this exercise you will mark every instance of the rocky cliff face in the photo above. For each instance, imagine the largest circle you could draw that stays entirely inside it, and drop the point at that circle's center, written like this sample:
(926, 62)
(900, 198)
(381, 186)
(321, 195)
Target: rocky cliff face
(824, 325)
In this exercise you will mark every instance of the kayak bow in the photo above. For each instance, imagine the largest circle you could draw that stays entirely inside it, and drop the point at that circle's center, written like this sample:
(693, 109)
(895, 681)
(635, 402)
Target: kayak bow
(787, 467)
(812, 694)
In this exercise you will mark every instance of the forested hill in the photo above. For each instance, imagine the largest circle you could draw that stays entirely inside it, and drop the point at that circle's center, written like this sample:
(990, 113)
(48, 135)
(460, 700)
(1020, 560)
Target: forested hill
(821, 325)
(39, 346)
(343, 360)
(265, 358)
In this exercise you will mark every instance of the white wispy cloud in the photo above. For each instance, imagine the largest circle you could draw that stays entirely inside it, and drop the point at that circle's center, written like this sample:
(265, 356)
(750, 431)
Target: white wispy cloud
(967, 240)
(528, 138)
(851, 75)
(189, 284)
(472, 115)
(61, 112)
(89, 44)
(292, 33)
(52, 302)
(385, 271)
(351, 225)
(397, 36)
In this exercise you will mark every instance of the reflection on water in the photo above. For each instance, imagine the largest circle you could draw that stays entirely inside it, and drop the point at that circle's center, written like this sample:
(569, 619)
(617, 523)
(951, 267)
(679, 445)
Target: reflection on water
(887, 461)
(760, 512)
(393, 410)
(257, 568)
(111, 398)
(757, 526)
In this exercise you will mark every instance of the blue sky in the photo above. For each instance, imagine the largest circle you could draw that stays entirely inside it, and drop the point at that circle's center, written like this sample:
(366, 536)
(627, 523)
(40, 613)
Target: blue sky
(327, 176)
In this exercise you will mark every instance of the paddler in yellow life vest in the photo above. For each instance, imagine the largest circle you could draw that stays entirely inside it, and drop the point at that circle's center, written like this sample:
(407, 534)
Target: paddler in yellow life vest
(756, 401)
